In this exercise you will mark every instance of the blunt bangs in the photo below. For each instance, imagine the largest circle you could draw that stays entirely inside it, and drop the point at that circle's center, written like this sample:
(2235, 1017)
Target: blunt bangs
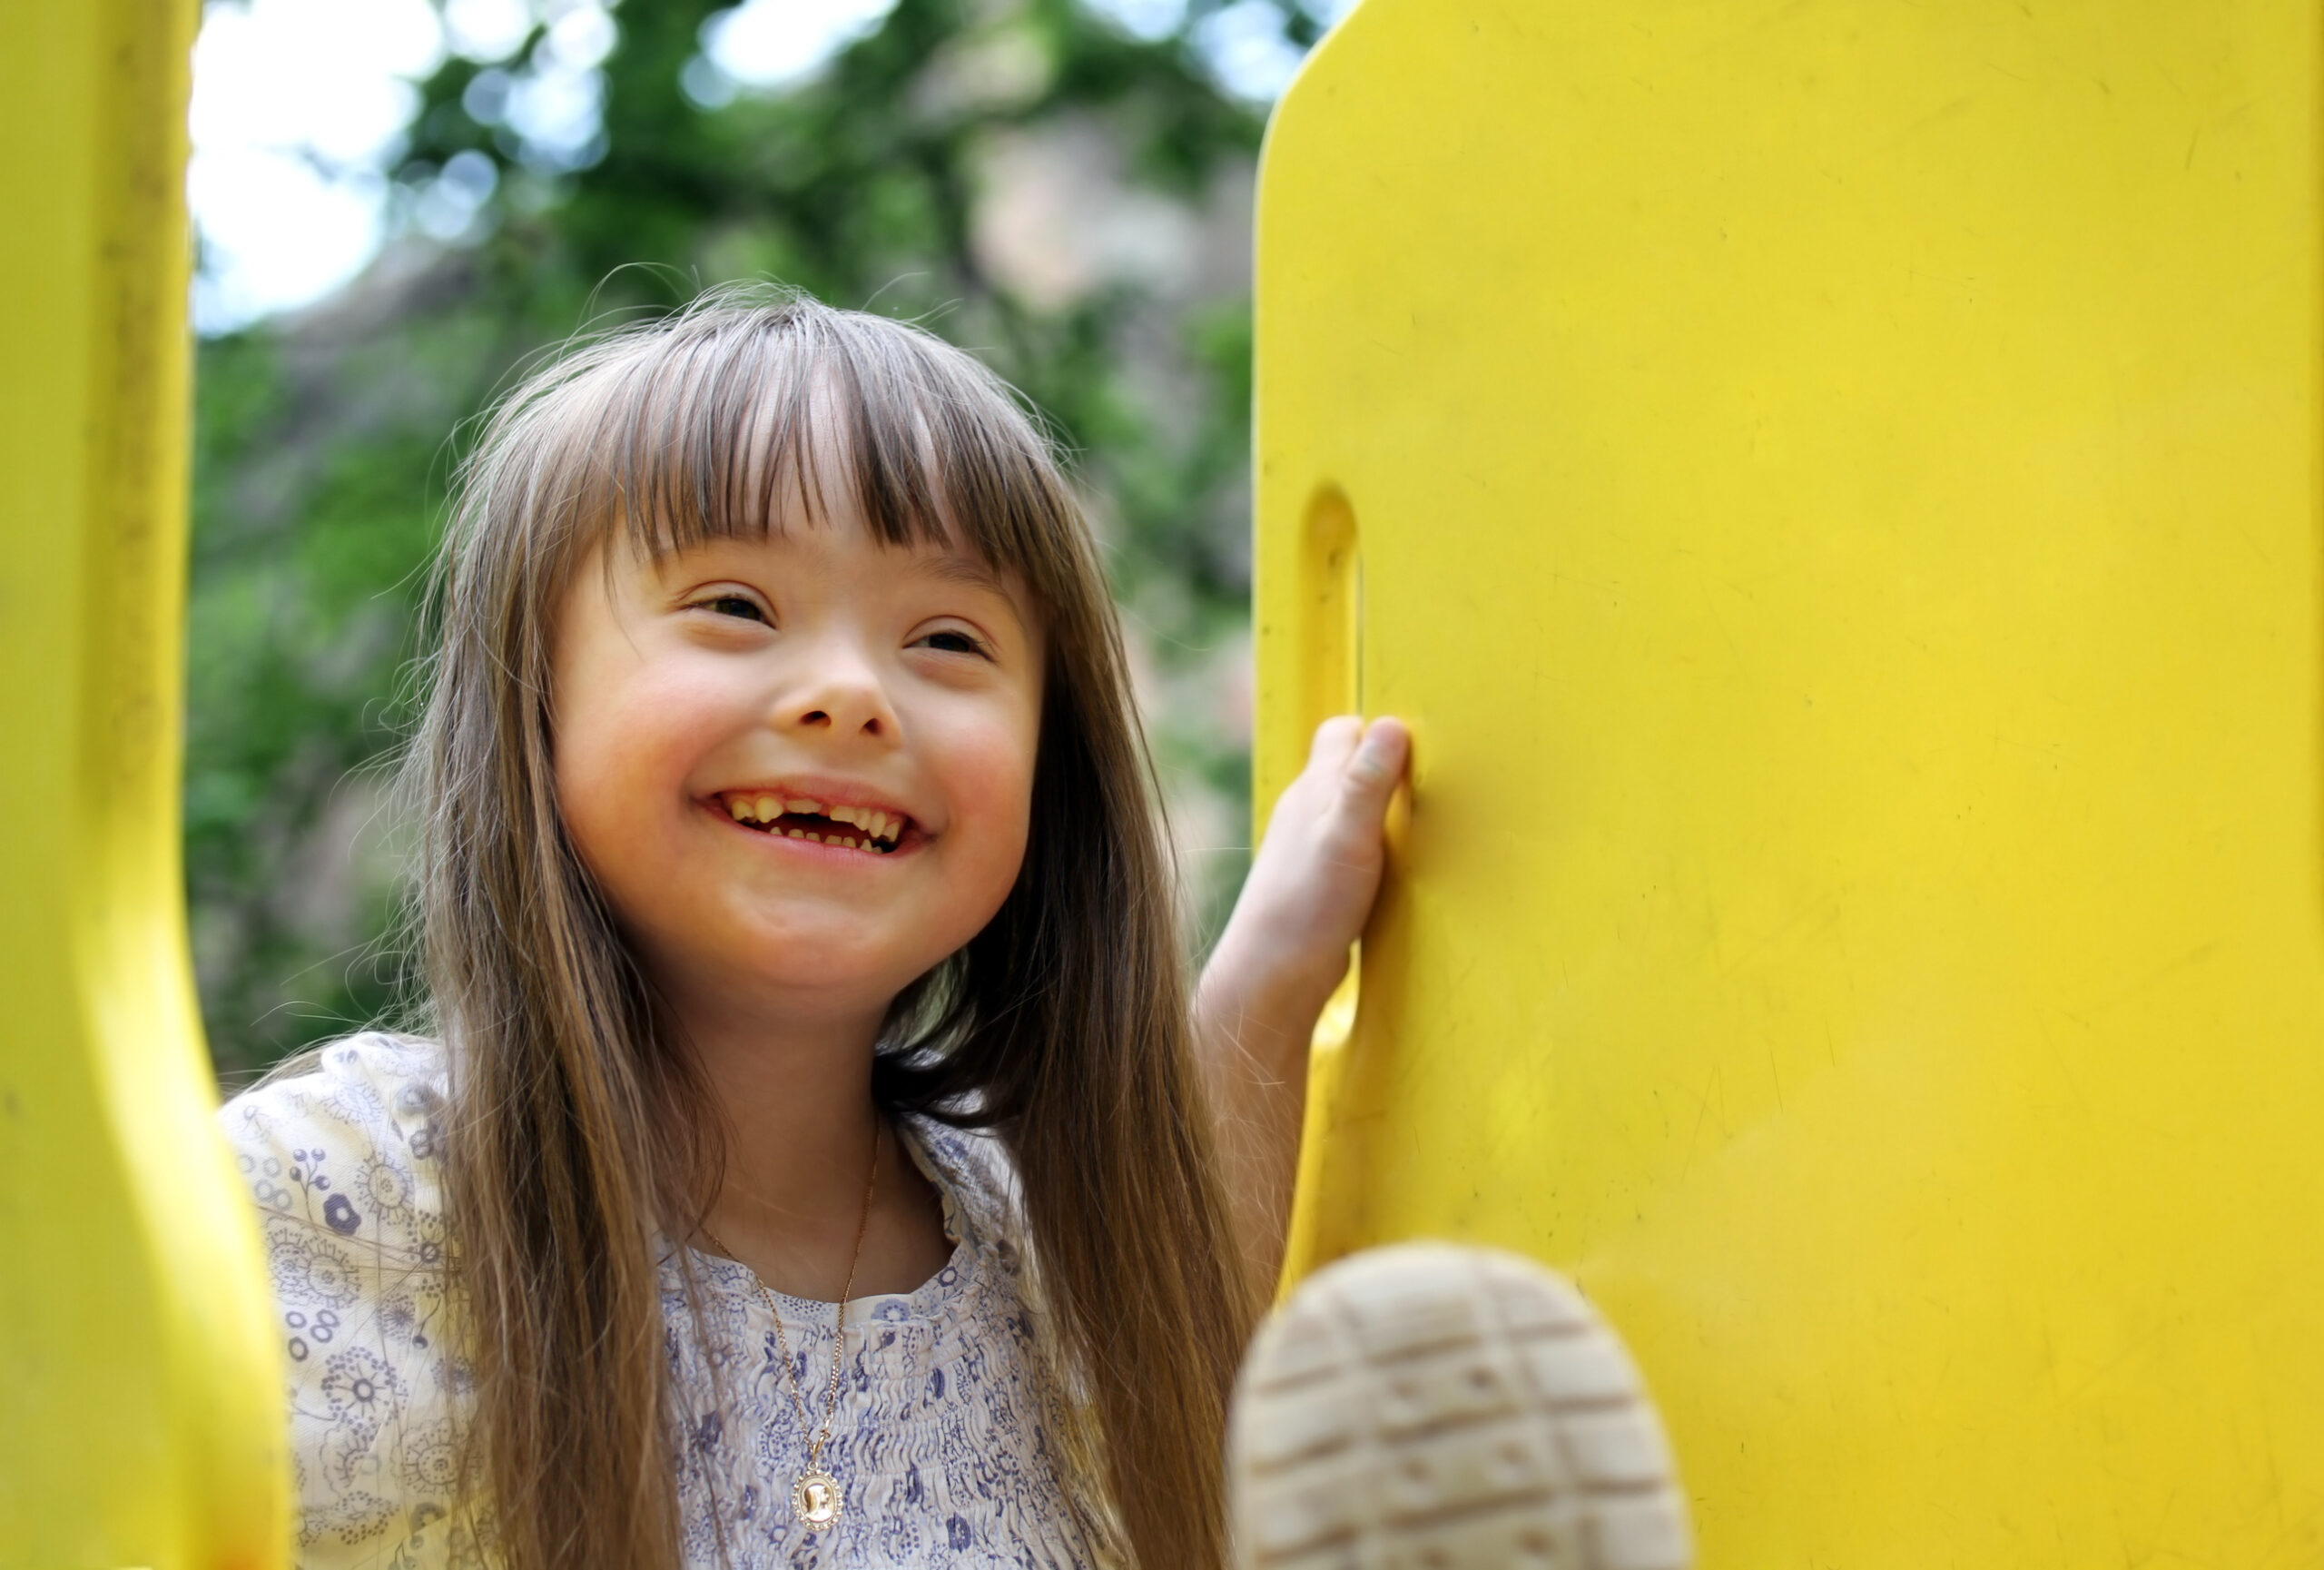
(746, 410)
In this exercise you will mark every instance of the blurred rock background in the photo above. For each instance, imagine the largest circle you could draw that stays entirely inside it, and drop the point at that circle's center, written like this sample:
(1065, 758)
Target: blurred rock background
(400, 203)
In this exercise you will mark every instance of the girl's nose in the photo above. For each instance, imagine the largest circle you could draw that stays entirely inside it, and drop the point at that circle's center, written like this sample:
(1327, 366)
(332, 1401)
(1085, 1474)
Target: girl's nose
(843, 697)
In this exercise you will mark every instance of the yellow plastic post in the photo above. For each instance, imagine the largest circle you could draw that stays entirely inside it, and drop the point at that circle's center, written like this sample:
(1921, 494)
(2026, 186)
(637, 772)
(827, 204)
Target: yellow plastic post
(139, 1392)
(1839, 490)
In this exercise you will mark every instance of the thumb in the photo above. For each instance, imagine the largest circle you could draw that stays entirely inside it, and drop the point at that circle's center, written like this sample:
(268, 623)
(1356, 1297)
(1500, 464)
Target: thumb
(1376, 766)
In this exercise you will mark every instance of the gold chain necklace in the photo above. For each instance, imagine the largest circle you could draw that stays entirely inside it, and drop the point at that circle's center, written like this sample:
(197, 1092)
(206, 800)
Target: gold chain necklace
(816, 1498)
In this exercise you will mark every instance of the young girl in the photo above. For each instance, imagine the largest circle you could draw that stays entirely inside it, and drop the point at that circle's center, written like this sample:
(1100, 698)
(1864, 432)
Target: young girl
(808, 1157)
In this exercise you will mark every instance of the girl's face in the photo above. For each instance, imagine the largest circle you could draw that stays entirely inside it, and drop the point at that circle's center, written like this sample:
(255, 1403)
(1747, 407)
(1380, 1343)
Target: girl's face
(719, 709)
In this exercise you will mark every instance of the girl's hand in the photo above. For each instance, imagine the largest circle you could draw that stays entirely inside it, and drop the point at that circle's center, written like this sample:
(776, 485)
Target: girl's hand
(1283, 950)
(1312, 885)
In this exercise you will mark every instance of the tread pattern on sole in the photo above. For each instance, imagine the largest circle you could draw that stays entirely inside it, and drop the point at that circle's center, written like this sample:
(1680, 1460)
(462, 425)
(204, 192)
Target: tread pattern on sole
(1432, 1406)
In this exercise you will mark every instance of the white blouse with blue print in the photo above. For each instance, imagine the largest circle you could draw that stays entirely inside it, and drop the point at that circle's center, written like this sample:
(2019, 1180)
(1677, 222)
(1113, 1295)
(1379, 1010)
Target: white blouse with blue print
(940, 1442)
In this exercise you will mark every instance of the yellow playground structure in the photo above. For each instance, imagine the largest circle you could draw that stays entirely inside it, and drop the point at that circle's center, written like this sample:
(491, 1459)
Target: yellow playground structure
(141, 1418)
(1838, 489)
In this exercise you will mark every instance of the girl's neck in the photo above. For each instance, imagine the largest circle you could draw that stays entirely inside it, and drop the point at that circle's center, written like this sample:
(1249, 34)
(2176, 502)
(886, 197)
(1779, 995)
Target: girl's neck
(794, 1095)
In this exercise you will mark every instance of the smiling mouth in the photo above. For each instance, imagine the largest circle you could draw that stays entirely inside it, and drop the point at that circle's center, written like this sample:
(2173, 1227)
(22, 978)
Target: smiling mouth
(865, 829)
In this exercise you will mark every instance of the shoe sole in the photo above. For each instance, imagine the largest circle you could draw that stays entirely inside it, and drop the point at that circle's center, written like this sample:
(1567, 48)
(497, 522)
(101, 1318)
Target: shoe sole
(1428, 1407)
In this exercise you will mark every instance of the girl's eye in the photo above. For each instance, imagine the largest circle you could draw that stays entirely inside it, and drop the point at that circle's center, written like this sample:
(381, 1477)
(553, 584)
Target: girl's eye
(952, 640)
(734, 605)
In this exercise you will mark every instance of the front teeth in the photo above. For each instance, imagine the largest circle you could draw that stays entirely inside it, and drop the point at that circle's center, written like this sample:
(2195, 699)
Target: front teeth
(880, 829)
(879, 825)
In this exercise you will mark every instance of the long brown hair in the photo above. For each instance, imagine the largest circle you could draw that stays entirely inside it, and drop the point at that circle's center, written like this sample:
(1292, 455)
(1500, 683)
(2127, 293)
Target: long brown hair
(577, 1134)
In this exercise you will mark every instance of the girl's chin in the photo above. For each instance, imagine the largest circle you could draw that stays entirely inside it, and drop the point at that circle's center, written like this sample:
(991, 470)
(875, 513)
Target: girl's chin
(822, 969)
(819, 970)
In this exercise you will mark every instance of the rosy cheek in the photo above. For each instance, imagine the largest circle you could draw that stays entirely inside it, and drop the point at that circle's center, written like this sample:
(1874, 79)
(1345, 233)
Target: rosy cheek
(589, 801)
(608, 761)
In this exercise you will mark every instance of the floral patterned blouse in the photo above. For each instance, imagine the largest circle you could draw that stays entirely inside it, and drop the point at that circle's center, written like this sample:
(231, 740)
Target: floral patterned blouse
(940, 1441)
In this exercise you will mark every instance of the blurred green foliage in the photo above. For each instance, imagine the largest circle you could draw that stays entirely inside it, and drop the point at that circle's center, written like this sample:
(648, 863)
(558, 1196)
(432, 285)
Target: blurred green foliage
(324, 445)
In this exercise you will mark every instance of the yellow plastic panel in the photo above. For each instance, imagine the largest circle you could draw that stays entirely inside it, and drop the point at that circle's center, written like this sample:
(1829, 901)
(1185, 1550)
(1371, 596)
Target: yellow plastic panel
(140, 1396)
(1839, 493)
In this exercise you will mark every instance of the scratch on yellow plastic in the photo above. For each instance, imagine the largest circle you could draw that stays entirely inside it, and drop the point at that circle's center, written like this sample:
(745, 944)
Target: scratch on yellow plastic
(1839, 489)
(140, 1396)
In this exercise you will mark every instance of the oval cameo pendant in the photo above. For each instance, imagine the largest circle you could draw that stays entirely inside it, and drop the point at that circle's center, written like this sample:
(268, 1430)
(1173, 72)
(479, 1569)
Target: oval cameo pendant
(816, 1501)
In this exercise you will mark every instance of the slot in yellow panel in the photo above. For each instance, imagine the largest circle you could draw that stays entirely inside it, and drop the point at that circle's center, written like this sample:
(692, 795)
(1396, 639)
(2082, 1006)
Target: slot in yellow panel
(141, 1415)
(1838, 486)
